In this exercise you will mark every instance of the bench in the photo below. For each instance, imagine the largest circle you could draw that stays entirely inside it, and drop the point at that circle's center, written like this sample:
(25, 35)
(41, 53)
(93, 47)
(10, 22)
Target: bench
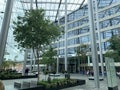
(55, 75)
(33, 83)
(92, 78)
(17, 85)
(25, 84)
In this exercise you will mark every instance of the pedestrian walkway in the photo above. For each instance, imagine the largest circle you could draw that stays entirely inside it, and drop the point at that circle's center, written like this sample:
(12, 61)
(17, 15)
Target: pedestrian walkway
(90, 84)
(9, 84)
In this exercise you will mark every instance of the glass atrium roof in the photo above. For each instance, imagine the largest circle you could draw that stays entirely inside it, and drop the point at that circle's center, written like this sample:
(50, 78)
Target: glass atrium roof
(51, 7)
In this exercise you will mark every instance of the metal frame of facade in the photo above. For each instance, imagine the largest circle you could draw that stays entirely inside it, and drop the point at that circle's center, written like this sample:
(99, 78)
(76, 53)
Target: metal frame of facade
(78, 28)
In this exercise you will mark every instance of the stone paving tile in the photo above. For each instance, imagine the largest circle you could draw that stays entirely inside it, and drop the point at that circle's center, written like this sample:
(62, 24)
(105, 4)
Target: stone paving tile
(10, 87)
(90, 85)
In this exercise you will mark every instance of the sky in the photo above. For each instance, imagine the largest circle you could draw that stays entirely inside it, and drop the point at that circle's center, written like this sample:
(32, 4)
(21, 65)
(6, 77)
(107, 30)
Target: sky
(14, 52)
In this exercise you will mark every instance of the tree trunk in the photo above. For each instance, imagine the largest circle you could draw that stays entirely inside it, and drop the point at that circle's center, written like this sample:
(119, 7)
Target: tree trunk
(78, 65)
(84, 64)
(38, 78)
(36, 55)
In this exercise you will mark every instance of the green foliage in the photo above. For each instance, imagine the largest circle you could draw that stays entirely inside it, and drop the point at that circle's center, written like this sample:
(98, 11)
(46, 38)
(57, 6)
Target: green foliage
(47, 85)
(58, 80)
(57, 83)
(7, 74)
(113, 54)
(48, 56)
(115, 44)
(7, 64)
(45, 72)
(114, 48)
(81, 50)
(33, 30)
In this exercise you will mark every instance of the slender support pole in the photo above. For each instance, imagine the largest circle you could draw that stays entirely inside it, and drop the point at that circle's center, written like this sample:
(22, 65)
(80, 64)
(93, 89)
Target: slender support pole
(78, 65)
(34, 68)
(58, 61)
(25, 60)
(5, 28)
(58, 44)
(65, 35)
(31, 4)
(88, 61)
(99, 36)
(31, 62)
(93, 43)
(57, 69)
(36, 4)
(31, 59)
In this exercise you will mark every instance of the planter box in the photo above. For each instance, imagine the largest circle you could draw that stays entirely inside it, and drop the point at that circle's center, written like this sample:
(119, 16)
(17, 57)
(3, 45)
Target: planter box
(21, 77)
(58, 87)
(81, 82)
(78, 82)
(33, 88)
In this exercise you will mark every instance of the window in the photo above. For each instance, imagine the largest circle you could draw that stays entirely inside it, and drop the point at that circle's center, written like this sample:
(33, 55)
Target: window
(61, 52)
(70, 51)
(85, 39)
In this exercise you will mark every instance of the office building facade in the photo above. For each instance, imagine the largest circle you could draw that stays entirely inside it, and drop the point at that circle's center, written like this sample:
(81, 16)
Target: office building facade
(78, 33)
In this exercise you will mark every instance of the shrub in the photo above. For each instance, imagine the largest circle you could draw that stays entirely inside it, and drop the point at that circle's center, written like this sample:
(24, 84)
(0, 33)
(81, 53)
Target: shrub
(58, 83)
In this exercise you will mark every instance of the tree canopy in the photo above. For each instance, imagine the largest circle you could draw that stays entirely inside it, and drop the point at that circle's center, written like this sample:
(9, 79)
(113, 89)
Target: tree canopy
(48, 56)
(7, 64)
(81, 50)
(33, 29)
(114, 48)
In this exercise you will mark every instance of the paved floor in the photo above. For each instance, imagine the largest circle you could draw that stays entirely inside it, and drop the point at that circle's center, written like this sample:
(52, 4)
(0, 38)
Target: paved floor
(90, 84)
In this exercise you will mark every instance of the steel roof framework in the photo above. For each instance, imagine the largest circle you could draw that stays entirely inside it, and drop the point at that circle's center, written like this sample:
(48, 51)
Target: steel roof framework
(52, 7)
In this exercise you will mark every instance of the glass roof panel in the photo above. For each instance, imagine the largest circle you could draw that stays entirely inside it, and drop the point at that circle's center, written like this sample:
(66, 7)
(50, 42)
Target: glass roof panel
(51, 6)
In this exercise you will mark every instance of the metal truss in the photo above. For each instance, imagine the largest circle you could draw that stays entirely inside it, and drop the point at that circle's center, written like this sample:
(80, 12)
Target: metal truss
(54, 7)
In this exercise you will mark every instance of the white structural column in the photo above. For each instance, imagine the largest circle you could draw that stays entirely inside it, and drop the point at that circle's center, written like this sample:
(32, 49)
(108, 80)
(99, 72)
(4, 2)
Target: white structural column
(93, 43)
(58, 58)
(25, 60)
(65, 35)
(26, 51)
(31, 61)
(31, 58)
(34, 61)
(31, 4)
(5, 28)
(99, 36)
(58, 45)
(88, 57)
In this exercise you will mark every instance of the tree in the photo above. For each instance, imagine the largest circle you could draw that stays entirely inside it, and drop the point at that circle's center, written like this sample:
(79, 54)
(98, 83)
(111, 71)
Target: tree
(34, 31)
(7, 64)
(81, 51)
(48, 57)
(114, 48)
